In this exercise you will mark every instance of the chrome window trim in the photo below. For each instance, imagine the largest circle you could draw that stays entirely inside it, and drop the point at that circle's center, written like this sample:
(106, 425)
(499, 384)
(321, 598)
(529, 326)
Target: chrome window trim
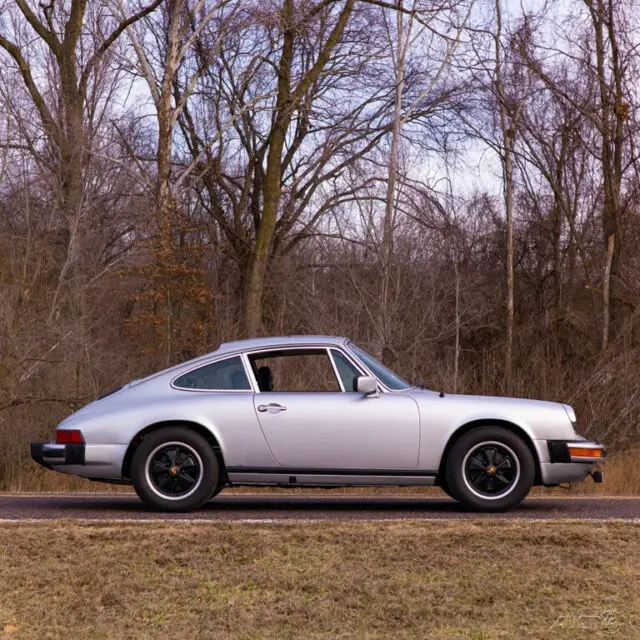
(356, 365)
(247, 367)
(244, 356)
(209, 363)
(335, 370)
(305, 347)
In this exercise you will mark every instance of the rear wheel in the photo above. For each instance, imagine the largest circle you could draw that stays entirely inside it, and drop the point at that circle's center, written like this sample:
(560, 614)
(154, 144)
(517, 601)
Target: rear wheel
(175, 469)
(489, 469)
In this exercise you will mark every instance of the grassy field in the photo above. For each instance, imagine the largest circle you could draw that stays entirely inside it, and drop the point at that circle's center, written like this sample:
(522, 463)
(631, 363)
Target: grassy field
(334, 580)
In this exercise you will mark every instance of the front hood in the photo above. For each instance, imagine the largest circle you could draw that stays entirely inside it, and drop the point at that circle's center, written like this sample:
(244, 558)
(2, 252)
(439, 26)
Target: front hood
(539, 418)
(493, 401)
(500, 401)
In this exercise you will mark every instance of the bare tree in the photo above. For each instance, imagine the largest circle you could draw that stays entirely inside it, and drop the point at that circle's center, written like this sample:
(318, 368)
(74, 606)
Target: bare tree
(288, 100)
(603, 62)
(171, 82)
(275, 175)
(507, 89)
(59, 29)
(411, 22)
(302, 167)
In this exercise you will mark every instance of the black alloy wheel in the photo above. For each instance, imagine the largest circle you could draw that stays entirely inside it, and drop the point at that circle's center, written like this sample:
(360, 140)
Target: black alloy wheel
(175, 469)
(489, 469)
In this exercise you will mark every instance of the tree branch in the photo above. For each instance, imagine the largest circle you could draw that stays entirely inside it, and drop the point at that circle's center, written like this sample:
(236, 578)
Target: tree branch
(48, 36)
(115, 34)
(25, 71)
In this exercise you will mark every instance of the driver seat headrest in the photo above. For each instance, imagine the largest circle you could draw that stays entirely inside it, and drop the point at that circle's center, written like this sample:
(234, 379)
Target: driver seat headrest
(265, 379)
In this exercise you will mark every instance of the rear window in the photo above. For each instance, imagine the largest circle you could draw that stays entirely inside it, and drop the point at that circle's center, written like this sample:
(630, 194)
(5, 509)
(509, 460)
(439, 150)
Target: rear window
(224, 375)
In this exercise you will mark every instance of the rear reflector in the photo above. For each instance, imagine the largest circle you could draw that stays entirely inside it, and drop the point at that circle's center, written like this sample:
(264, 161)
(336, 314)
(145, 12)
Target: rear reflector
(69, 436)
(581, 452)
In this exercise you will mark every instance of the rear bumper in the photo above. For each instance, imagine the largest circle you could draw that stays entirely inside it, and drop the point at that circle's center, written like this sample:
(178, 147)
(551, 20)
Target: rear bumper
(102, 461)
(50, 454)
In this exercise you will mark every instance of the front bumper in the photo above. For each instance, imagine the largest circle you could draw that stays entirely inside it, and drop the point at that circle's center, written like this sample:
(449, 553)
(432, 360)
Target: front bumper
(563, 461)
(50, 454)
(565, 451)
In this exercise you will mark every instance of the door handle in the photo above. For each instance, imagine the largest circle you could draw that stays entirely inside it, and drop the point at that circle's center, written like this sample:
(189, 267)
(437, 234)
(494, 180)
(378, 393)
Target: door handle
(272, 407)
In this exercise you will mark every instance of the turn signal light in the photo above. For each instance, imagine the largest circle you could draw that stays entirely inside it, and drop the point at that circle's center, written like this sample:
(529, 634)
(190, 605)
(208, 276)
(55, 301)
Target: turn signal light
(69, 436)
(581, 452)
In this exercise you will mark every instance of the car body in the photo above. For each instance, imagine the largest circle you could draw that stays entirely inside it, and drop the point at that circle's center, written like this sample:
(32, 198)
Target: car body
(335, 417)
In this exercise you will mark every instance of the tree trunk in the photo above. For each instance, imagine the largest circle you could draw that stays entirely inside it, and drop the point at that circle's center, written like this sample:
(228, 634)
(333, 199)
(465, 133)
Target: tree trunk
(387, 238)
(456, 355)
(508, 352)
(288, 99)
(71, 146)
(507, 131)
(606, 294)
(612, 117)
(252, 311)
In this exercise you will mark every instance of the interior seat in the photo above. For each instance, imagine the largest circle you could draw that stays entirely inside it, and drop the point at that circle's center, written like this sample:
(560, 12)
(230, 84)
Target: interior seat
(265, 379)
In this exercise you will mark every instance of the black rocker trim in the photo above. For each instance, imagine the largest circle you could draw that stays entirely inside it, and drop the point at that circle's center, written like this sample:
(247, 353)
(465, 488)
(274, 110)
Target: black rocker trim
(332, 472)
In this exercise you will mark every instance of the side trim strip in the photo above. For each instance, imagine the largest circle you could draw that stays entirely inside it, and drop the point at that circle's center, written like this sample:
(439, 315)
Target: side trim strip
(333, 472)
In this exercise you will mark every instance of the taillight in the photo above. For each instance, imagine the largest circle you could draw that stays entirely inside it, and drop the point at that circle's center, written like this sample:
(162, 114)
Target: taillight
(69, 436)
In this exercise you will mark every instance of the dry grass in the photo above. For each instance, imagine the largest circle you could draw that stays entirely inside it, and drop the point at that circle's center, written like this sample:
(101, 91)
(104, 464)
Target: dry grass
(332, 580)
(622, 478)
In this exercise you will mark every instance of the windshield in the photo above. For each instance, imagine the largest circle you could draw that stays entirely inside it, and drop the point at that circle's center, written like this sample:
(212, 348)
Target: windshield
(386, 376)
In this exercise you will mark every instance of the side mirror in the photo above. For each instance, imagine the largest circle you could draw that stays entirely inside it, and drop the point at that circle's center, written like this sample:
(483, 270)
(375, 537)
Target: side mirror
(367, 385)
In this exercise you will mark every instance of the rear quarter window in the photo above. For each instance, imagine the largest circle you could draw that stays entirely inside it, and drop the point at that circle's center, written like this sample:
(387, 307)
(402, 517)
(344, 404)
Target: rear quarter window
(224, 375)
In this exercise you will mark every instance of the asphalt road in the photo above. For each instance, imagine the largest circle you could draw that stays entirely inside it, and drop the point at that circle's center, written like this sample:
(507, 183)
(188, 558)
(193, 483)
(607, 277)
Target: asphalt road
(295, 507)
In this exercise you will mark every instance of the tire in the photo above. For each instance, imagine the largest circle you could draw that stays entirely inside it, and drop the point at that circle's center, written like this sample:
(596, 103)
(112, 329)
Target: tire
(445, 487)
(216, 491)
(175, 469)
(489, 469)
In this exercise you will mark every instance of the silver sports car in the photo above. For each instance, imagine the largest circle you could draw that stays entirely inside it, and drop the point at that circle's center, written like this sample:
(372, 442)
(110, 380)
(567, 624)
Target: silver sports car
(314, 411)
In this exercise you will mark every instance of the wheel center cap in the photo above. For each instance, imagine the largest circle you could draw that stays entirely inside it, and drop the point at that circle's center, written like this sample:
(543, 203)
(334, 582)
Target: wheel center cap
(173, 471)
(491, 471)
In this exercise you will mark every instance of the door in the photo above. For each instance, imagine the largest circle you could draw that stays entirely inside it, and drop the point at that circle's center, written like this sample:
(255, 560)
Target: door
(311, 423)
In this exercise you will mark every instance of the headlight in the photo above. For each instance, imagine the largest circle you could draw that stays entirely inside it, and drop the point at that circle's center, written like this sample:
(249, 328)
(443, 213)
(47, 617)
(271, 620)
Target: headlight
(571, 413)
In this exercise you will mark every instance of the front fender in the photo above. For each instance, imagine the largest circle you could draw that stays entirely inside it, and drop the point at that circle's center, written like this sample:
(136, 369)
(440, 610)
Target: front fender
(443, 418)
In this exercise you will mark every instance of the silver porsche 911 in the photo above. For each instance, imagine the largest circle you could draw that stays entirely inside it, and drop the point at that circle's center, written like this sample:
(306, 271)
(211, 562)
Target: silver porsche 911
(314, 411)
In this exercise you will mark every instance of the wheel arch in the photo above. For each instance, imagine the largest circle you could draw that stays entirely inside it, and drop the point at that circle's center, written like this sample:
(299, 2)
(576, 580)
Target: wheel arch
(489, 422)
(156, 426)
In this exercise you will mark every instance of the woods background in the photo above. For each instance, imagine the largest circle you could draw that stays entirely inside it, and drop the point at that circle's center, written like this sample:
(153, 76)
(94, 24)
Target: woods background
(452, 184)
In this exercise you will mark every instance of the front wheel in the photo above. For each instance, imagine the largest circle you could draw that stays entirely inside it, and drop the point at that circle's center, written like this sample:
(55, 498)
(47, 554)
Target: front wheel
(174, 469)
(489, 469)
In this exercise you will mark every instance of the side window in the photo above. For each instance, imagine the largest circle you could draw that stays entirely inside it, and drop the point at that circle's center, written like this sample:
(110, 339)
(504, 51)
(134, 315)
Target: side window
(294, 370)
(225, 375)
(348, 373)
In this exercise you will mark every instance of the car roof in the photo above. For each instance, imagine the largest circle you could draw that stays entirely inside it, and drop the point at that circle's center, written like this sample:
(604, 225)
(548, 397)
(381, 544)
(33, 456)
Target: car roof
(239, 346)
(278, 341)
